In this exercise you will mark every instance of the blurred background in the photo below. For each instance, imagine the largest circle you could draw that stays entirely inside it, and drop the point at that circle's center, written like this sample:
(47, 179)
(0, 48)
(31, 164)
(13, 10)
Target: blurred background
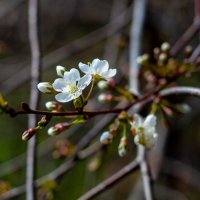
(81, 30)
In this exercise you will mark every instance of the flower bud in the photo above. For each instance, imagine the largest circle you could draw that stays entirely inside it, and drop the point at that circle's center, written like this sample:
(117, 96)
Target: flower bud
(51, 105)
(102, 85)
(60, 70)
(45, 87)
(28, 134)
(165, 47)
(122, 148)
(106, 137)
(142, 60)
(105, 98)
(122, 151)
(163, 57)
(44, 121)
(55, 130)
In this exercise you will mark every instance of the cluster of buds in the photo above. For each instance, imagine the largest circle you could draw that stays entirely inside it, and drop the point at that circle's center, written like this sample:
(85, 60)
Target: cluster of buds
(32, 131)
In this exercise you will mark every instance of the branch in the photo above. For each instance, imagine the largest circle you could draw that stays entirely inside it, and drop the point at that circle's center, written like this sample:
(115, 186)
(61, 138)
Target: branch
(186, 37)
(66, 166)
(34, 96)
(70, 49)
(180, 91)
(125, 171)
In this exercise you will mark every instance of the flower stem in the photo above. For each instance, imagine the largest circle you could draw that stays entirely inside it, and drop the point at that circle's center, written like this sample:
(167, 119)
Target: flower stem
(90, 92)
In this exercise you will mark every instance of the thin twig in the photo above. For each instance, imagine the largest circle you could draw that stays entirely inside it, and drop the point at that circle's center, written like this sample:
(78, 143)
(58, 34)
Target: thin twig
(186, 37)
(180, 91)
(70, 49)
(133, 166)
(34, 96)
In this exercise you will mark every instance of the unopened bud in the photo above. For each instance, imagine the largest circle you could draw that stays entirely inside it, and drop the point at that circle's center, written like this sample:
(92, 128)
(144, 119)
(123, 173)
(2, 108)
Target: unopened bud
(45, 87)
(52, 105)
(60, 70)
(122, 148)
(142, 60)
(122, 151)
(28, 134)
(55, 130)
(102, 85)
(188, 51)
(43, 122)
(163, 57)
(156, 51)
(165, 47)
(105, 98)
(106, 137)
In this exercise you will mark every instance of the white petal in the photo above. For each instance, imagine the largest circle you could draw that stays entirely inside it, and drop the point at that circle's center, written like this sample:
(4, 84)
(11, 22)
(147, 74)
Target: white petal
(60, 70)
(72, 76)
(110, 73)
(106, 137)
(99, 66)
(84, 68)
(150, 121)
(64, 97)
(84, 81)
(137, 121)
(59, 84)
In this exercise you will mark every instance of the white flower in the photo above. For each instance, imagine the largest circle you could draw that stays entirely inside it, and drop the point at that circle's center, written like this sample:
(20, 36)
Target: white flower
(45, 87)
(60, 70)
(106, 137)
(71, 85)
(145, 130)
(98, 68)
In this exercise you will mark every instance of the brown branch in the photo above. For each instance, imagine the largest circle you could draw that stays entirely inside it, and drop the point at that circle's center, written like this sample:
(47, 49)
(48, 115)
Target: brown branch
(34, 96)
(133, 166)
(180, 91)
(186, 37)
(70, 49)
(59, 172)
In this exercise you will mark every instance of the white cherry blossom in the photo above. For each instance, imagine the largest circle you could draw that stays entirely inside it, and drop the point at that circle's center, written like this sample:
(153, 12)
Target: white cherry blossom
(145, 130)
(98, 68)
(71, 85)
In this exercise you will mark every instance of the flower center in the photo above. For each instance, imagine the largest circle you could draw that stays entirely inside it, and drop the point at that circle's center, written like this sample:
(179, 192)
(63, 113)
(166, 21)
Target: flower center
(72, 88)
